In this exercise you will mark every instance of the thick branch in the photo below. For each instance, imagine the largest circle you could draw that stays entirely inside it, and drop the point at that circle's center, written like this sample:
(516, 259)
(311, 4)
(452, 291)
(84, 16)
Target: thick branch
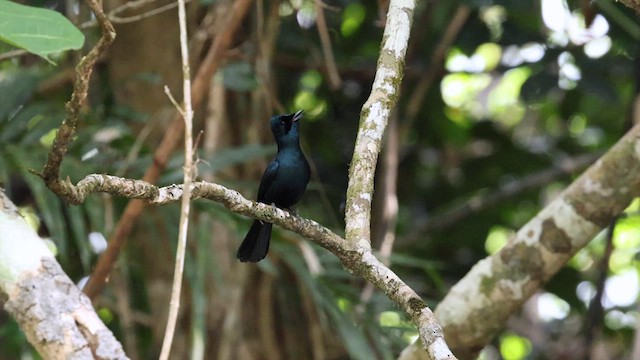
(477, 307)
(57, 318)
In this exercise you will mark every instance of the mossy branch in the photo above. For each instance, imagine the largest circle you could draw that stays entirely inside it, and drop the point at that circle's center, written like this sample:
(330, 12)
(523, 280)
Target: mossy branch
(64, 135)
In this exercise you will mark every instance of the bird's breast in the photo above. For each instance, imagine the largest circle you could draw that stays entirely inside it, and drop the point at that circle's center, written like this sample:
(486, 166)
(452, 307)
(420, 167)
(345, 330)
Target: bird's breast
(290, 181)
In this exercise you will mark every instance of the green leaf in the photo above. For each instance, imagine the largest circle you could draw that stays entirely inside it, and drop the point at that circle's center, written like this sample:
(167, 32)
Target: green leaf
(39, 31)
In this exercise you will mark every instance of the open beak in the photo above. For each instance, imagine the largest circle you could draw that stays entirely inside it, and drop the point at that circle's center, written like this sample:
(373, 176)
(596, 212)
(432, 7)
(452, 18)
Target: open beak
(297, 115)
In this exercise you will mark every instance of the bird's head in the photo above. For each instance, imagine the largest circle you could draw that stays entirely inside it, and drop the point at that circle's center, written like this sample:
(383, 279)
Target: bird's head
(285, 127)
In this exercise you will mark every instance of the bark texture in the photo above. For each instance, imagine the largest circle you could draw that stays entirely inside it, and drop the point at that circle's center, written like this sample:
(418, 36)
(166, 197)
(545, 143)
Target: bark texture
(58, 318)
(476, 309)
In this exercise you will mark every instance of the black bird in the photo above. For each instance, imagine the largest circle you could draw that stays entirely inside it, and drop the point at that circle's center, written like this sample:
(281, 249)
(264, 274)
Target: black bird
(283, 183)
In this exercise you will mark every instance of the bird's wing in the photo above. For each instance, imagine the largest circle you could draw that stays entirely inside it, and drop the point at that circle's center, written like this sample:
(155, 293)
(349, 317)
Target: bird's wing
(267, 179)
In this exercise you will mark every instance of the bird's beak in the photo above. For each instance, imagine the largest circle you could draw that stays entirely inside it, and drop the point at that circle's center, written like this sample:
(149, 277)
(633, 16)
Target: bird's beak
(297, 115)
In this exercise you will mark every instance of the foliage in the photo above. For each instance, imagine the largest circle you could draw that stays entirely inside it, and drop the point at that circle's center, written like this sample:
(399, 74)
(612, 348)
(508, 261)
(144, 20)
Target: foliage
(40, 31)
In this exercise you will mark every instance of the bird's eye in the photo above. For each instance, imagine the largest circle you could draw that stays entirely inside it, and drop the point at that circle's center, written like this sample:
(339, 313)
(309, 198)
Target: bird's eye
(281, 122)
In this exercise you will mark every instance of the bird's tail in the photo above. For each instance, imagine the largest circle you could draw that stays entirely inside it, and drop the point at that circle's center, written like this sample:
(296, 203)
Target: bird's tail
(255, 245)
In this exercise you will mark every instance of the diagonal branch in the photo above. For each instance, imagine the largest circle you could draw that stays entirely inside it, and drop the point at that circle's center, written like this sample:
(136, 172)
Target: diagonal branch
(477, 307)
(56, 317)
(356, 259)
(485, 200)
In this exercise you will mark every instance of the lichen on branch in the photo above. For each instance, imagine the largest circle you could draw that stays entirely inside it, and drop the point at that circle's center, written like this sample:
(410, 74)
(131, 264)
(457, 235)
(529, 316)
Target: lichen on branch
(477, 307)
(374, 118)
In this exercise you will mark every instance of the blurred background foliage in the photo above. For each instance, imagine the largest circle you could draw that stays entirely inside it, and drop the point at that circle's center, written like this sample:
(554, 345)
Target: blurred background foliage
(503, 103)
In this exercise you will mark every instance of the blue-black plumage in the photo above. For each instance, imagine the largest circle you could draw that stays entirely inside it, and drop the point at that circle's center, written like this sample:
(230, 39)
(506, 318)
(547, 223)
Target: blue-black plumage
(283, 183)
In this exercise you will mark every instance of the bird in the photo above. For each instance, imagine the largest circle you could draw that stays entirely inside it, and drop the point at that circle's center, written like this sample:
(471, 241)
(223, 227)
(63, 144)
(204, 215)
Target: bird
(283, 183)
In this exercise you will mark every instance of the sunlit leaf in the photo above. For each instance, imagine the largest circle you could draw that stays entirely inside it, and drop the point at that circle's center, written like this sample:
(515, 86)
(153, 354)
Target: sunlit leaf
(352, 18)
(497, 238)
(311, 79)
(313, 105)
(47, 139)
(514, 347)
(491, 54)
(504, 100)
(105, 315)
(627, 233)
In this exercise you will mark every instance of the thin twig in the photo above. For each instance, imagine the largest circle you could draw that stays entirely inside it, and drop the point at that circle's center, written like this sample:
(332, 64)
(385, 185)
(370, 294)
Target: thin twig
(332, 70)
(129, 19)
(480, 202)
(187, 112)
(328, 7)
(12, 53)
(122, 297)
(267, 24)
(595, 312)
(389, 190)
(173, 100)
(172, 136)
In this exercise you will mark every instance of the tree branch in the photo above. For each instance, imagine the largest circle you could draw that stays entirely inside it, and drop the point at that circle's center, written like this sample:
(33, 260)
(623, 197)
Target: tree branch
(477, 307)
(56, 317)
(485, 200)
(356, 259)
(373, 121)
(332, 70)
(64, 135)
(189, 172)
